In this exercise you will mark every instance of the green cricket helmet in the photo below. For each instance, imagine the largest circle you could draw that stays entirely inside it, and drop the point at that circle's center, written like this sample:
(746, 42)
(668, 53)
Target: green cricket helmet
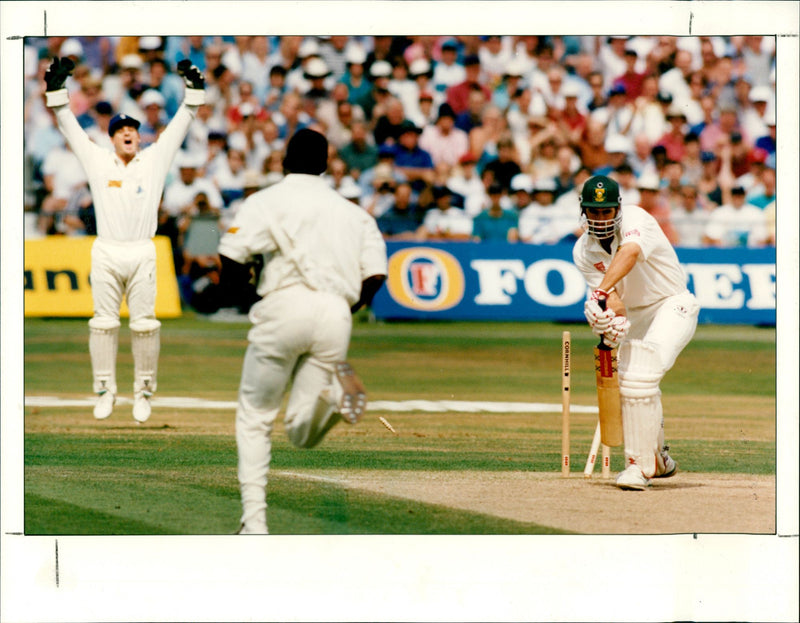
(601, 191)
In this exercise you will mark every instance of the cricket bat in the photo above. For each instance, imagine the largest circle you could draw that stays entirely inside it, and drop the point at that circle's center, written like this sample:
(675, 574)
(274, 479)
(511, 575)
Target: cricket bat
(608, 402)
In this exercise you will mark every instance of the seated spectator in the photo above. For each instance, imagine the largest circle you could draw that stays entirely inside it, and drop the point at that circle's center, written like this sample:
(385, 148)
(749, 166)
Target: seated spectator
(674, 139)
(473, 116)
(458, 94)
(692, 164)
(544, 221)
(690, 218)
(465, 181)
(229, 176)
(62, 176)
(617, 149)
(383, 168)
(359, 88)
(410, 159)
(402, 220)
(764, 194)
(708, 184)
(359, 154)
(495, 223)
(390, 124)
(736, 223)
(381, 199)
(276, 88)
(252, 181)
(179, 195)
(653, 202)
(521, 188)
(444, 222)
(767, 142)
(624, 176)
(443, 141)
(506, 164)
(448, 71)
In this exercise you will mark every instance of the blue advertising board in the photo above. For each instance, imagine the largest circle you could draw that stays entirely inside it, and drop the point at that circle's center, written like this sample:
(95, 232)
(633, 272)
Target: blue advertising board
(498, 281)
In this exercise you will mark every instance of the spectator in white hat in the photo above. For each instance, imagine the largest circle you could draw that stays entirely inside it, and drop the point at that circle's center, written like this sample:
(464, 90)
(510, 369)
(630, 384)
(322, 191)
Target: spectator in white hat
(754, 117)
(152, 104)
(355, 77)
(179, 194)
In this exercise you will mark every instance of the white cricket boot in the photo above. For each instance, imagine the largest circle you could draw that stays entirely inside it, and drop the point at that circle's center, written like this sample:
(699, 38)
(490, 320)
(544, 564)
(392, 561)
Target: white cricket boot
(665, 464)
(141, 407)
(632, 479)
(105, 405)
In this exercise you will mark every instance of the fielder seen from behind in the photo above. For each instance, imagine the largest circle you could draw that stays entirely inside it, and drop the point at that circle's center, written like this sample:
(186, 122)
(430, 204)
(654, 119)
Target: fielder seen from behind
(126, 187)
(649, 314)
(323, 258)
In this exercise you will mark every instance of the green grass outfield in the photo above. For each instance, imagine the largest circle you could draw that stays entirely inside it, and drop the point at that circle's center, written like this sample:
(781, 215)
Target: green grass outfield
(177, 473)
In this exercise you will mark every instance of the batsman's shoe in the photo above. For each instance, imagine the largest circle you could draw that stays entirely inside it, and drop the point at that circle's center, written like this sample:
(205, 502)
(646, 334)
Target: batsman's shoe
(632, 479)
(141, 407)
(353, 403)
(665, 464)
(104, 406)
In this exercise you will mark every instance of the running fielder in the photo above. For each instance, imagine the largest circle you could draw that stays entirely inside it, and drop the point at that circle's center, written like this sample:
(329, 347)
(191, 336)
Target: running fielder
(126, 187)
(628, 262)
(323, 258)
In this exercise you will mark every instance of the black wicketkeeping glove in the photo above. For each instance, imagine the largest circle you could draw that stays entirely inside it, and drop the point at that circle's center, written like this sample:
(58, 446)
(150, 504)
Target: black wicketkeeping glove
(193, 77)
(58, 72)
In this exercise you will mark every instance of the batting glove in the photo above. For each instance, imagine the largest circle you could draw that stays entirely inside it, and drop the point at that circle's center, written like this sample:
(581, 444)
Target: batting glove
(599, 319)
(192, 76)
(616, 331)
(56, 75)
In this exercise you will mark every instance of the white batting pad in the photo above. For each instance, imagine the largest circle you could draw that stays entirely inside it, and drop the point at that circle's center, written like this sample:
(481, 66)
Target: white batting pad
(103, 345)
(639, 376)
(145, 346)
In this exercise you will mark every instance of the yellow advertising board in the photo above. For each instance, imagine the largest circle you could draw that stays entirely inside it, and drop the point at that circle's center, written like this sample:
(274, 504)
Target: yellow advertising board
(57, 278)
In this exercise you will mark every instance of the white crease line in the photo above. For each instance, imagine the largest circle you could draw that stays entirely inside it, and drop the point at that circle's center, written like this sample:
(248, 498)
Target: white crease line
(428, 406)
(336, 481)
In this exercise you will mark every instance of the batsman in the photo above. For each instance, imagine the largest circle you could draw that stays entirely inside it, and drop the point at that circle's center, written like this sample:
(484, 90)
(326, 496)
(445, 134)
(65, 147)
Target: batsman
(637, 302)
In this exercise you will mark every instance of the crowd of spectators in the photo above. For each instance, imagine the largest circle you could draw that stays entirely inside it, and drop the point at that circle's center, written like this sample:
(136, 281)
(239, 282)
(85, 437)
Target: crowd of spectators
(474, 138)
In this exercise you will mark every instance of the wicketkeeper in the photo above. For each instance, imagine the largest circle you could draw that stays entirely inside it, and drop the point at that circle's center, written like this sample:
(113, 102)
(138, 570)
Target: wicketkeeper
(648, 313)
(323, 258)
(126, 187)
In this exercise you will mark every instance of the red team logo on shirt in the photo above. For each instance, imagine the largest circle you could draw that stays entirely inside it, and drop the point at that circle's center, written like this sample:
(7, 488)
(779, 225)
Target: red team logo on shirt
(600, 266)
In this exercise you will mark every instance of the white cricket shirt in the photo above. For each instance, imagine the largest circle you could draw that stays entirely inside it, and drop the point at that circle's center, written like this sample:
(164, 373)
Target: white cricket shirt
(126, 197)
(308, 233)
(657, 273)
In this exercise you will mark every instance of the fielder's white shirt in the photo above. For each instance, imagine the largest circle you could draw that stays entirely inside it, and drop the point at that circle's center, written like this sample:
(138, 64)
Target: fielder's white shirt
(126, 197)
(308, 234)
(657, 273)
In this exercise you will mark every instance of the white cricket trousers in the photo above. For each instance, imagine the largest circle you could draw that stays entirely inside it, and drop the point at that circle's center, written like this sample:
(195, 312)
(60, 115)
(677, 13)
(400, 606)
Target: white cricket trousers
(657, 336)
(123, 269)
(669, 325)
(297, 336)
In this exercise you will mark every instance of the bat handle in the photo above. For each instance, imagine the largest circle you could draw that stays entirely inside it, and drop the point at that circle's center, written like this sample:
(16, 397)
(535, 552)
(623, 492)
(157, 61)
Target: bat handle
(602, 302)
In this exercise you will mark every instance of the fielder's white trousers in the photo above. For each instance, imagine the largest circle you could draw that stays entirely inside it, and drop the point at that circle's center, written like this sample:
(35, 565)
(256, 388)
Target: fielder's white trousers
(297, 336)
